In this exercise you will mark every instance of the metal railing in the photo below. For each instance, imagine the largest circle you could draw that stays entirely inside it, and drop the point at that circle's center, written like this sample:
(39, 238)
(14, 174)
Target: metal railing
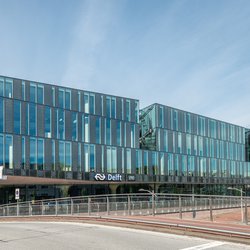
(127, 204)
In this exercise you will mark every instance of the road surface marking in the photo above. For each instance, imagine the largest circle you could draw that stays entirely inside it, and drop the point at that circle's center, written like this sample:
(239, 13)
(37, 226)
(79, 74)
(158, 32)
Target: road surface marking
(205, 246)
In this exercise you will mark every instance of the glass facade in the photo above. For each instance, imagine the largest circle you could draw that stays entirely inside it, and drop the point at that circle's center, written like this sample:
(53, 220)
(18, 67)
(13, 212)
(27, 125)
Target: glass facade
(65, 133)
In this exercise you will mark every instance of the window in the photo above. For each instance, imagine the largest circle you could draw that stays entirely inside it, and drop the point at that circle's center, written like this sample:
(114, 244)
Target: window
(162, 165)
(86, 103)
(174, 119)
(128, 159)
(68, 99)
(17, 117)
(201, 126)
(113, 107)
(184, 165)
(32, 119)
(68, 156)
(40, 94)
(53, 96)
(165, 140)
(128, 110)
(1, 86)
(145, 162)
(179, 146)
(61, 98)
(47, 121)
(61, 155)
(161, 117)
(170, 165)
(79, 166)
(23, 153)
(8, 88)
(188, 143)
(40, 154)
(154, 163)
(61, 124)
(32, 92)
(111, 160)
(79, 101)
(89, 155)
(190, 166)
(23, 90)
(53, 155)
(188, 122)
(203, 170)
(108, 106)
(33, 154)
(8, 152)
(137, 111)
(108, 132)
(86, 128)
(138, 161)
(118, 133)
(74, 126)
(1, 150)
(92, 104)
(65, 156)
(132, 135)
(1, 114)
(98, 130)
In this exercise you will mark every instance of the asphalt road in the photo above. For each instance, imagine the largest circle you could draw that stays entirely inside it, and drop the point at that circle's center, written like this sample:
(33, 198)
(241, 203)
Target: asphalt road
(56, 235)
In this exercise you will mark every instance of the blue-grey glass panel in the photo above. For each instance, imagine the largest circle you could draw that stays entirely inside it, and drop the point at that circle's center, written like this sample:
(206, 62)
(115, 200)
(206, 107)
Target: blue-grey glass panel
(74, 126)
(61, 124)
(61, 155)
(33, 93)
(68, 99)
(92, 158)
(108, 132)
(92, 104)
(98, 130)
(1, 150)
(1, 86)
(8, 151)
(40, 94)
(113, 107)
(32, 119)
(8, 87)
(47, 121)
(17, 117)
(61, 98)
(33, 154)
(1, 114)
(40, 154)
(23, 152)
(108, 106)
(68, 156)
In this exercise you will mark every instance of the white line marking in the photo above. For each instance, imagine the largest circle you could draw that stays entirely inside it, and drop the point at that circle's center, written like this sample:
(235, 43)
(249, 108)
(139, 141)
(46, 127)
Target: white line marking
(205, 246)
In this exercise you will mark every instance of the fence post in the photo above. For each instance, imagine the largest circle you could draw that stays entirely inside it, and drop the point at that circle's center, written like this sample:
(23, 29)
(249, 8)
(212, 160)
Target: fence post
(193, 201)
(72, 206)
(89, 208)
(129, 205)
(246, 215)
(108, 212)
(180, 208)
(17, 208)
(211, 209)
(42, 208)
(56, 208)
(30, 209)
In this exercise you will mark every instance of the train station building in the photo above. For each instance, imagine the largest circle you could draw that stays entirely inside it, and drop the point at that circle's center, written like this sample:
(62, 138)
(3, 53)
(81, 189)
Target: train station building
(57, 141)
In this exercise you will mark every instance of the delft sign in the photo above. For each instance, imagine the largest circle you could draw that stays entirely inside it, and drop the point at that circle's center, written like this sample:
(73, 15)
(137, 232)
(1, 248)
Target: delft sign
(108, 177)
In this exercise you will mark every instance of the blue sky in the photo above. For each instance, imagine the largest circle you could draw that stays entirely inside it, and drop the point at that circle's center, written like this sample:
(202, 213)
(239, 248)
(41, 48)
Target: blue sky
(192, 55)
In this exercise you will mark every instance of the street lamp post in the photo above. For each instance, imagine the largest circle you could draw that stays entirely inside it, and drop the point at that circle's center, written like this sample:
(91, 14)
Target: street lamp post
(241, 200)
(153, 198)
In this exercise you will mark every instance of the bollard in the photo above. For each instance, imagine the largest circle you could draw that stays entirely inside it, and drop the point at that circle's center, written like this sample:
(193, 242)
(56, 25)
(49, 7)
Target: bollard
(56, 208)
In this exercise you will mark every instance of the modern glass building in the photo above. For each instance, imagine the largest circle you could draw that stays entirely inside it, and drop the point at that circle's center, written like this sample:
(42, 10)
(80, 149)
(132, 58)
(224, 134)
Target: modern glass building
(57, 141)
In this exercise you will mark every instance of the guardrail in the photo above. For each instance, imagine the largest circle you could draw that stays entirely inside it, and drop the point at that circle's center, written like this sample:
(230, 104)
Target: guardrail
(127, 204)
